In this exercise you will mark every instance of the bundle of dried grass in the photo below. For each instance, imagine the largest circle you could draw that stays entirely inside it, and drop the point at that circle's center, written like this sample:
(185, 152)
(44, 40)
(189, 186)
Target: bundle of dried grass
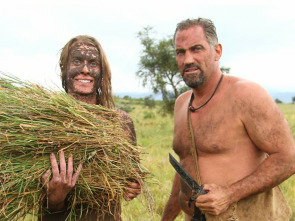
(35, 122)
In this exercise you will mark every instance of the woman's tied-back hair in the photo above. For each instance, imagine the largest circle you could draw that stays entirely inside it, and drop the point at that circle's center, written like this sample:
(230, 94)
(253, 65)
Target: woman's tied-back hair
(104, 91)
(207, 24)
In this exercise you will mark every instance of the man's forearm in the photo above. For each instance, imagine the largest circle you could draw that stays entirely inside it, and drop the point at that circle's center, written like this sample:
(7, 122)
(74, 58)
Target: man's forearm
(273, 171)
(172, 208)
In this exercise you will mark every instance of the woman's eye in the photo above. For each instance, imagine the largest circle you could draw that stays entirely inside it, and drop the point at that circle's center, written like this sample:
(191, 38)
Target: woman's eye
(76, 62)
(93, 64)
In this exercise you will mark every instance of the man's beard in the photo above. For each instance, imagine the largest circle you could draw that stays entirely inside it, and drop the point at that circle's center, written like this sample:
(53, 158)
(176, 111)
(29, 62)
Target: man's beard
(192, 80)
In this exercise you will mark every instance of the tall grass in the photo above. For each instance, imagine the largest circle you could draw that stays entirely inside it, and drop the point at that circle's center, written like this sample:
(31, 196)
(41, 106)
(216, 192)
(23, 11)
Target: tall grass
(288, 187)
(35, 122)
(155, 135)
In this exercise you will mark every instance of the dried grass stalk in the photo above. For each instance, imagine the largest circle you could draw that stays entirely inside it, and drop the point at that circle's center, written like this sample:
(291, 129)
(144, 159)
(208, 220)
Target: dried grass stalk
(35, 122)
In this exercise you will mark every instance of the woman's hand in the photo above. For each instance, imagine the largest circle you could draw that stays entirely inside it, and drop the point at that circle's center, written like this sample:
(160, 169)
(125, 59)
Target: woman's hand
(132, 190)
(62, 181)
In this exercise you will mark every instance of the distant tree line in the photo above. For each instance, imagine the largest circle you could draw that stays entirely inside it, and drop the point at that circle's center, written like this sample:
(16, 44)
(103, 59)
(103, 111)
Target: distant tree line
(278, 101)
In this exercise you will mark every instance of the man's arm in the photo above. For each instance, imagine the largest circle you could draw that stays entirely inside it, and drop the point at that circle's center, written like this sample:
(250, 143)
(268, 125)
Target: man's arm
(172, 208)
(270, 133)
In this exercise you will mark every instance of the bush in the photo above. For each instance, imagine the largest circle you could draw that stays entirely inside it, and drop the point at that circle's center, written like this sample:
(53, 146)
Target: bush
(149, 101)
(148, 115)
(126, 97)
(125, 108)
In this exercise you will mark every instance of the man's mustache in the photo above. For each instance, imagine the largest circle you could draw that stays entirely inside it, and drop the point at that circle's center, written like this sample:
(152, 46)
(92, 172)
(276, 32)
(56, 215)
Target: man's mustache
(190, 66)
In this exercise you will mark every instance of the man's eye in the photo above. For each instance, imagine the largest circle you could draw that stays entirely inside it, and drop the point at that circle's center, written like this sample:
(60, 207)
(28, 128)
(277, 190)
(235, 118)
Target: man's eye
(180, 52)
(197, 48)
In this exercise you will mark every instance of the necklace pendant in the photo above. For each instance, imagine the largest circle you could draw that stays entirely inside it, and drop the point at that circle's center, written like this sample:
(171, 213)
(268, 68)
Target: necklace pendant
(191, 108)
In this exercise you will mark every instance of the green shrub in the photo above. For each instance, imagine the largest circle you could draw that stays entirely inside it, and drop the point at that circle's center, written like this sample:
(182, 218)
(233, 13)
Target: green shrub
(149, 101)
(148, 115)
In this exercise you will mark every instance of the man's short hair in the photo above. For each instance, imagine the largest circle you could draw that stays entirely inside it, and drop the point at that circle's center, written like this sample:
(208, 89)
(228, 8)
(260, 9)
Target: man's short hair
(207, 24)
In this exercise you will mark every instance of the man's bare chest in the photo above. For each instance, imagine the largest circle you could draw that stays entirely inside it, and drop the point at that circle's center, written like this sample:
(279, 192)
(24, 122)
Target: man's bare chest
(214, 132)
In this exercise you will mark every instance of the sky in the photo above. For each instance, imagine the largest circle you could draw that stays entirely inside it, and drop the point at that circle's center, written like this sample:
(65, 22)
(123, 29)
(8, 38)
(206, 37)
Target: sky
(257, 36)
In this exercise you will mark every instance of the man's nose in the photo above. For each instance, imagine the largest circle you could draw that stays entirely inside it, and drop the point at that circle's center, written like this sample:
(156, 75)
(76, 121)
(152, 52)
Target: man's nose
(188, 59)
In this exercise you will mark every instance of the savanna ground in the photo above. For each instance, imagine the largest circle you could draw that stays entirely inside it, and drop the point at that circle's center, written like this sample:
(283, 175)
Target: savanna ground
(155, 134)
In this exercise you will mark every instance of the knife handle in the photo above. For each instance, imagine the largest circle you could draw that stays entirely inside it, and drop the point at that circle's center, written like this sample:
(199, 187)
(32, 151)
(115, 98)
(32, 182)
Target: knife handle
(201, 191)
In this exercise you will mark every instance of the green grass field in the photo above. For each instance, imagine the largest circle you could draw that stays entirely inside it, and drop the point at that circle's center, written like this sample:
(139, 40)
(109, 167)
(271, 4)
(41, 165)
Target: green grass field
(155, 134)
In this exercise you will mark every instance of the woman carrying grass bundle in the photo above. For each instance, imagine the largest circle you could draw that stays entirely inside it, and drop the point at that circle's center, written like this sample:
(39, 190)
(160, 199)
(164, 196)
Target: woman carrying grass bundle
(86, 76)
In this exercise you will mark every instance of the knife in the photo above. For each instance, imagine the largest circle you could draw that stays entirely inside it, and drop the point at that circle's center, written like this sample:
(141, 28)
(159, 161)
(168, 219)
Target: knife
(186, 177)
(194, 186)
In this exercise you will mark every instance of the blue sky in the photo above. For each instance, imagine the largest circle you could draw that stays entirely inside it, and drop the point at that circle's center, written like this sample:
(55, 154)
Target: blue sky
(258, 37)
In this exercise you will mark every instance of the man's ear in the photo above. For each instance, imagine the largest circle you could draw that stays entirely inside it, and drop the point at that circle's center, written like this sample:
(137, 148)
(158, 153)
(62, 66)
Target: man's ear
(218, 51)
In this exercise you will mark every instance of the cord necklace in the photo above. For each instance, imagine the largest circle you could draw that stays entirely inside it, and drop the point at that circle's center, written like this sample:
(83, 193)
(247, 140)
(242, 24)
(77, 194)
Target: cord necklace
(190, 106)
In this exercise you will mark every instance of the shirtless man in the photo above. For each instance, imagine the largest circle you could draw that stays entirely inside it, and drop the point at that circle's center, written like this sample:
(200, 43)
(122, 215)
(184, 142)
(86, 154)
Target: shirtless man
(244, 145)
(86, 76)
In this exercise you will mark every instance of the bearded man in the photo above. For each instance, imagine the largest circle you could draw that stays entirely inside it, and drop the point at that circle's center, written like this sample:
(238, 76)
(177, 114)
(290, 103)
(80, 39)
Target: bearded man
(229, 135)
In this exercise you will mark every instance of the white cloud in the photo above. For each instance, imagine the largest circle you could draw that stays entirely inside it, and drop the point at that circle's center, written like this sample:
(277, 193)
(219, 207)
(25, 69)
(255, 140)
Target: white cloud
(122, 82)
(40, 69)
(272, 70)
(252, 32)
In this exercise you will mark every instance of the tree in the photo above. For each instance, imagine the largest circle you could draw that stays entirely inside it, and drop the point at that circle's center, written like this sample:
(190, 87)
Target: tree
(293, 100)
(278, 101)
(158, 68)
(225, 70)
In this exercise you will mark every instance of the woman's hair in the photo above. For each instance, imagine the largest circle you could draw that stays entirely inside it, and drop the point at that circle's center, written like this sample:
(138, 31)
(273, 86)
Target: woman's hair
(104, 91)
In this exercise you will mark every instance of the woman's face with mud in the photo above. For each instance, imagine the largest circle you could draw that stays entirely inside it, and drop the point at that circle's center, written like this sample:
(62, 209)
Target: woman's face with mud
(83, 70)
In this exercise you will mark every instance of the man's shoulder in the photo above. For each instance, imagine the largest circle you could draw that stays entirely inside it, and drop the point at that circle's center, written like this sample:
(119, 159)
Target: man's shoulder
(181, 103)
(241, 88)
(235, 83)
(183, 97)
(248, 96)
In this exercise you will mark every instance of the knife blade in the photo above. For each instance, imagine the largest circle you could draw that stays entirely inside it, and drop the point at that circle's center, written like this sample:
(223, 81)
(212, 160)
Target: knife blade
(186, 177)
